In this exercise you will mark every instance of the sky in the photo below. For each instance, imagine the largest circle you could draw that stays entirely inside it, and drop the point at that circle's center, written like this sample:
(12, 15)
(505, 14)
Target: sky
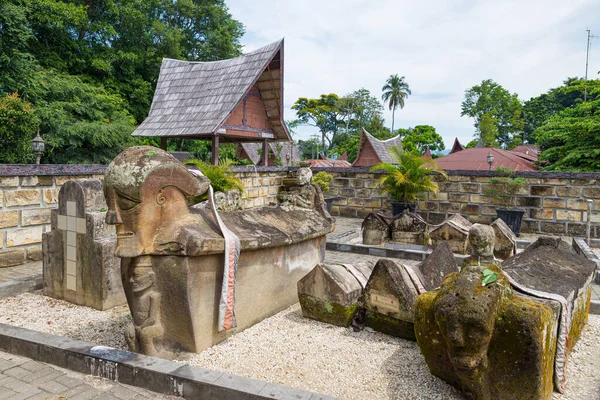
(441, 47)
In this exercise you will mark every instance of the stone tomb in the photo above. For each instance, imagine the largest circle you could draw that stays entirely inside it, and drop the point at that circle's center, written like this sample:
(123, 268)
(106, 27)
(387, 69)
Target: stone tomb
(331, 293)
(439, 264)
(375, 229)
(79, 265)
(409, 228)
(454, 230)
(505, 245)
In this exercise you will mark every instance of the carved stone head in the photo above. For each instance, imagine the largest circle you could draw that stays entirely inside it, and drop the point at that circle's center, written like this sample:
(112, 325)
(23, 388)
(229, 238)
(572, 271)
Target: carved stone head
(147, 192)
(465, 312)
(482, 239)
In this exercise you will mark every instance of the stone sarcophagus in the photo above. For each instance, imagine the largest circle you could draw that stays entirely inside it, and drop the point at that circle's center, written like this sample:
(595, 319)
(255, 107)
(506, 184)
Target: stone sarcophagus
(79, 265)
(173, 262)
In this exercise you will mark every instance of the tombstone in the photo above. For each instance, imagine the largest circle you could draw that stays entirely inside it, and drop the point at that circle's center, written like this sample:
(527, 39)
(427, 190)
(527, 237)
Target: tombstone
(410, 228)
(439, 264)
(505, 245)
(175, 258)
(481, 242)
(454, 230)
(507, 338)
(375, 230)
(79, 265)
(331, 292)
(389, 300)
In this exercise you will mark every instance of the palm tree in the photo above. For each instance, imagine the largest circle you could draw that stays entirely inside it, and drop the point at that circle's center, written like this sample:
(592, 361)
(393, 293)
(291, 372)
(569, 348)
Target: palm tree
(395, 91)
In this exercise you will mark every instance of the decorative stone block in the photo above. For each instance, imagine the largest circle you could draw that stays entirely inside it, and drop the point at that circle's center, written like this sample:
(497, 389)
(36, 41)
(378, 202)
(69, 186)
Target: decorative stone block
(331, 293)
(454, 230)
(389, 300)
(36, 216)
(8, 258)
(439, 264)
(34, 253)
(22, 197)
(50, 196)
(9, 218)
(565, 215)
(505, 245)
(78, 253)
(9, 181)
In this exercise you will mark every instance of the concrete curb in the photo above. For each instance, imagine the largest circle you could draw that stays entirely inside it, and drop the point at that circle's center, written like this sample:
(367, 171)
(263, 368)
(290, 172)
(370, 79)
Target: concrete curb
(18, 286)
(155, 374)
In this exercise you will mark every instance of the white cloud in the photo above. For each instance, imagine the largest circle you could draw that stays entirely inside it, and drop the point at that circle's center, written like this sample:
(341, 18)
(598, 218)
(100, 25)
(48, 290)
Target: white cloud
(441, 47)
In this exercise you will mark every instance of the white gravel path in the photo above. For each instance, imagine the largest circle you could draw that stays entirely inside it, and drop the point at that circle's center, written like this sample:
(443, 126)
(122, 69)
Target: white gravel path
(291, 350)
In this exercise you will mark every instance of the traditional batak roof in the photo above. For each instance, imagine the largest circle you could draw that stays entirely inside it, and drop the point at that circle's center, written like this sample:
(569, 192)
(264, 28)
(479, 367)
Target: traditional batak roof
(529, 149)
(456, 146)
(194, 99)
(251, 152)
(476, 159)
(427, 154)
(381, 149)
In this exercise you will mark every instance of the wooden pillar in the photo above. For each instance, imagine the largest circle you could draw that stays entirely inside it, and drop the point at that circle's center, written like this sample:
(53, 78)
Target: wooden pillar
(265, 153)
(215, 150)
(163, 143)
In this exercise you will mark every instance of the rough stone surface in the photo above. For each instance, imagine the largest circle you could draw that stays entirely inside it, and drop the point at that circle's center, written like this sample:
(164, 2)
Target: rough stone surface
(481, 241)
(439, 264)
(78, 252)
(454, 230)
(389, 300)
(12, 257)
(410, 228)
(229, 200)
(331, 292)
(505, 245)
(375, 229)
(172, 254)
(485, 340)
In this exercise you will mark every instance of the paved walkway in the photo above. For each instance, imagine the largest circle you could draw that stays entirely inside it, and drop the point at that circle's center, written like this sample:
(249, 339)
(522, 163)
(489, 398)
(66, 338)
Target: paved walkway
(22, 378)
(20, 271)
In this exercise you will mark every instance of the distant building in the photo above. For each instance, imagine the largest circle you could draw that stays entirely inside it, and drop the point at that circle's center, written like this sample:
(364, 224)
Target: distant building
(285, 151)
(475, 159)
(372, 151)
(456, 147)
(528, 149)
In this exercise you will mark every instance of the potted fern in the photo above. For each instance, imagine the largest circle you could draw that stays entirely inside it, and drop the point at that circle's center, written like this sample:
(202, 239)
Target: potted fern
(322, 179)
(408, 179)
(503, 188)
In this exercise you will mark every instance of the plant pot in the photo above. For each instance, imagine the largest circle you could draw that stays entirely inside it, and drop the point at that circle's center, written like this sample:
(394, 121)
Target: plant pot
(329, 202)
(512, 217)
(399, 207)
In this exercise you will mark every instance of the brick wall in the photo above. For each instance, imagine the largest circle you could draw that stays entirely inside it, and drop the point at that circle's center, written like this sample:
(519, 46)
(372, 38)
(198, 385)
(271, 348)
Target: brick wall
(554, 202)
(261, 184)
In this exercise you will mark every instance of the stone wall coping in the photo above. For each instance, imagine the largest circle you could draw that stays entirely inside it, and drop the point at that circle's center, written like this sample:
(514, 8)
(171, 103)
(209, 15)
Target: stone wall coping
(95, 169)
(151, 373)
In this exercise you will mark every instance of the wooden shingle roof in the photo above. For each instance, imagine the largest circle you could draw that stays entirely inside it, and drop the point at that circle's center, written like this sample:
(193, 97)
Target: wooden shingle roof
(381, 147)
(193, 99)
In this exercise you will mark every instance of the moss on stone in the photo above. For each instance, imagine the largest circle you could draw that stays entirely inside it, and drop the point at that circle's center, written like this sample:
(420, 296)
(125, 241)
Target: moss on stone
(326, 311)
(389, 325)
(580, 316)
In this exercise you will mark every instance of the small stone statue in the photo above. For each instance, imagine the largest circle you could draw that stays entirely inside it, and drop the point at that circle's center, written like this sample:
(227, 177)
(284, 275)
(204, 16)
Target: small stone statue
(145, 332)
(481, 240)
(298, 193)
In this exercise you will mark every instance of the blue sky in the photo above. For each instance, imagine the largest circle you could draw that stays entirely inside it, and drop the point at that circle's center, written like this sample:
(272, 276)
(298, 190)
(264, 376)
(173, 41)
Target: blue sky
(441, 47)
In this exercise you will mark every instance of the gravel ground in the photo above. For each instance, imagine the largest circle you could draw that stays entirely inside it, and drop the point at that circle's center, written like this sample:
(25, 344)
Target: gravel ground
(291, 350)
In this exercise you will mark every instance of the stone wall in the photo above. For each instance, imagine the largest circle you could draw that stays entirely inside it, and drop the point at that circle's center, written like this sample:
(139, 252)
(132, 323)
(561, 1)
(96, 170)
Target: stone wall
(554, 202)
(261, 184)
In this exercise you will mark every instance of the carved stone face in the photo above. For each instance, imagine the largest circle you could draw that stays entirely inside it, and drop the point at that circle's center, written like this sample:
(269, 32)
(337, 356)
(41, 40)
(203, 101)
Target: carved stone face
(147, 192)
(141, 278)
(304, 176)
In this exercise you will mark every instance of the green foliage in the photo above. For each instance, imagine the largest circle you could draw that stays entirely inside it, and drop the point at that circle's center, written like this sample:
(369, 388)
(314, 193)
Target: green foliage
(17, 126)
(489, 276)
(410, 178)
(421, 136)
(488, 130)
(221, 176)
(322, 180)
(492, 99)
(324, 113)
(395, 91)
(504, 187)
(570, 140)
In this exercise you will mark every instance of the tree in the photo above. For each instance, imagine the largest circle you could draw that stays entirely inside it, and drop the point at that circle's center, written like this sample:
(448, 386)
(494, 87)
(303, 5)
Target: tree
(421, 136)
(488, 130)
(570, 139)
(17, 126)
(324, 113)
(395, 91)
(492, 99)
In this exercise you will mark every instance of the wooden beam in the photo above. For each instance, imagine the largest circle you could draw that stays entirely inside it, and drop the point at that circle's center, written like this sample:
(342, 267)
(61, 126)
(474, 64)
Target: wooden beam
(163, 143)
(215, 150)
(265, 153)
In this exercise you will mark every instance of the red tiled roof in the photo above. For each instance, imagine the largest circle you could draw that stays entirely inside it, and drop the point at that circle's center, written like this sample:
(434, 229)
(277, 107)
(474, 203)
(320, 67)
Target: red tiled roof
(529, 149)
(476, 159)
(329, 163)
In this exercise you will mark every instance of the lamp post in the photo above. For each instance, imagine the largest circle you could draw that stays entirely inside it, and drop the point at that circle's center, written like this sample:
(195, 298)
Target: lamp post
(490, 159)
(38, 147)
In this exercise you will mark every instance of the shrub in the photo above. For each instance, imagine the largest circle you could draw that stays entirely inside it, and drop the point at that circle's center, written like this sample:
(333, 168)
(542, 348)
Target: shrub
(18, 125)
(322, 180)
(221, 176)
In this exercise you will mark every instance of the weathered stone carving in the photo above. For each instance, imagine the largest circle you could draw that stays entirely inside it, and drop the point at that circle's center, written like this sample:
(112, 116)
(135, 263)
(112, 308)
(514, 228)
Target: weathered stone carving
(229, 200)
(439, 264)
(331, 293)
(148, 195)
(454, 230)
(79, 265)
(410, 228)
(481, 240)
(375, 229)
(298, 192)
(505, 245)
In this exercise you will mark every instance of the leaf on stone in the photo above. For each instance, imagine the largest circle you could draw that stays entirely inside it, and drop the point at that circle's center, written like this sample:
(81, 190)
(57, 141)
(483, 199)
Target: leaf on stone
(489, 276)
(151, 153)
(103, 209)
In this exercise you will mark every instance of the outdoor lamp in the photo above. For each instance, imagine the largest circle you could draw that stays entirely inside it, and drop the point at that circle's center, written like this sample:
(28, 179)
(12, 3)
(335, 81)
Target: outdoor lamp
(287, 158)
(38, 147)
(490, 159)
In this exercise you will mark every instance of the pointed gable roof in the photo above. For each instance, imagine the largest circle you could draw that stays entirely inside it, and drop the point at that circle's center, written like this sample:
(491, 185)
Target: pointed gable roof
(456, 146)
(194, 99)
(479, 144)
(427, 154)
(380, 147)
